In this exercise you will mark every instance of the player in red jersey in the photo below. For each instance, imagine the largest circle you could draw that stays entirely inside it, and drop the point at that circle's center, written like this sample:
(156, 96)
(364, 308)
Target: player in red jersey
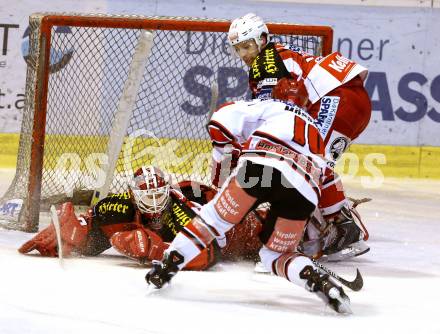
(331, 89)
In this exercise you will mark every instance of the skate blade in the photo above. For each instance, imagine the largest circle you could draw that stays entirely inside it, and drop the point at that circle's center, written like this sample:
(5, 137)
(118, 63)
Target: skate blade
(356, 249)
(260, 269)
(153, 290)
(343, 305)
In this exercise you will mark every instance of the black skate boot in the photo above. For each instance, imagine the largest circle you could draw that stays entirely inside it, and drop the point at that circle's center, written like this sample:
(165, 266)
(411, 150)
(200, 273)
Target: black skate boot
(329, 292)
(346, 238)
(163, 271)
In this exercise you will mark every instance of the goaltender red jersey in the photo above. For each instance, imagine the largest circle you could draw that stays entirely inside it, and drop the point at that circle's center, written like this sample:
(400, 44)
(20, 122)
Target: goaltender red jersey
(117, 221)
(119, 209)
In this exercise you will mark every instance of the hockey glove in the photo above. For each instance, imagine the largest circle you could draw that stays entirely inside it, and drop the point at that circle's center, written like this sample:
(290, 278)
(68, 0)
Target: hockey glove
(162, 272)
(292, 91)
(140, 244)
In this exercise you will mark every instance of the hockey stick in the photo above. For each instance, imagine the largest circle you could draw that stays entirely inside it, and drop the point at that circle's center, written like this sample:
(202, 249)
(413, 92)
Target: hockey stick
(124, 111)
(213, 104)
(56, 224)
(354, 285)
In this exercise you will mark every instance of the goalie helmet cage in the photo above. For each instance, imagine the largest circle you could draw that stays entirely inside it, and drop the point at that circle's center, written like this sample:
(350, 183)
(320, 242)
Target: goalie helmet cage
(77, 68)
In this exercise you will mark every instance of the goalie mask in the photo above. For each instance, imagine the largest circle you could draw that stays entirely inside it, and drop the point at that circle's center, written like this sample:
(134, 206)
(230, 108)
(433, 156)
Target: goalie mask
(248, 27)
(151, 190)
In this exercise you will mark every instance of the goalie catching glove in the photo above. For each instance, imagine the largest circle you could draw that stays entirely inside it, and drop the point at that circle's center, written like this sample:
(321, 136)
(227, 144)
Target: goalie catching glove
(73, 234)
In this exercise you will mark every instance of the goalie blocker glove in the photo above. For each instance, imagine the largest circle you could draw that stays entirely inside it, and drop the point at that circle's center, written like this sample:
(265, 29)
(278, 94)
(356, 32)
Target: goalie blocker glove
(163, 271)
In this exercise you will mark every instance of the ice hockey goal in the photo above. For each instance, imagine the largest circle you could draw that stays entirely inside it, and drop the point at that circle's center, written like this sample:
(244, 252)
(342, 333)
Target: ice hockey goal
(127, 91)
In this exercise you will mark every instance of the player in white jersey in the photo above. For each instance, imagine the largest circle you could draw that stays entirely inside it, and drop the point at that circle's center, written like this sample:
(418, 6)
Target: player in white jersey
(281, 163)
(331, 89)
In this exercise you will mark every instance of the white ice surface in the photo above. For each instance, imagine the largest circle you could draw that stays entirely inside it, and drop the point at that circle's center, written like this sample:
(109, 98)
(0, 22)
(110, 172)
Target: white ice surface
(108, 294)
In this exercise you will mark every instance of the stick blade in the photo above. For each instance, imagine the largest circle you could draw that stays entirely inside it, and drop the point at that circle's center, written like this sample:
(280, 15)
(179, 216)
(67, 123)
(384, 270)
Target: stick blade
(357, 283)
(56, 224)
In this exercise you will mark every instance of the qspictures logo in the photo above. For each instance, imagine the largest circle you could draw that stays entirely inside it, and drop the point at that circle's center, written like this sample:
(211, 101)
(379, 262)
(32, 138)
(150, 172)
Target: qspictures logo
(60, 54)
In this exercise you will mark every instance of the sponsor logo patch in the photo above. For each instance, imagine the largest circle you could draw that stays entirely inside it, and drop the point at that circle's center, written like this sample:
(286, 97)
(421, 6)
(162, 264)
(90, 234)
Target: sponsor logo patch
(295, 48)
(264, 94)
(11, 208)
(338, 147)
(254, 67)
(141, 241)
(267, 82)
(269, 62)
(337, 65)
(327, 113)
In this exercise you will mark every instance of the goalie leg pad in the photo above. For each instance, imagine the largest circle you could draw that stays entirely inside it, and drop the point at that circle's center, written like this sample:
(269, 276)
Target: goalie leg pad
(73, 234)
(44, 242)
(73, 230)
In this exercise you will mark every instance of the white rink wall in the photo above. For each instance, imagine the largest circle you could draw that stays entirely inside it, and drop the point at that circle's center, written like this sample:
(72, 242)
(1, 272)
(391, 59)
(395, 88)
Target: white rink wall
(399, 45)
(379, 3)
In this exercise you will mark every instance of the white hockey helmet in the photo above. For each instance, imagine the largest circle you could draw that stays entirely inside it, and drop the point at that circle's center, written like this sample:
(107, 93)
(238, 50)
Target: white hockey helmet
(151, 190)
(249, 26)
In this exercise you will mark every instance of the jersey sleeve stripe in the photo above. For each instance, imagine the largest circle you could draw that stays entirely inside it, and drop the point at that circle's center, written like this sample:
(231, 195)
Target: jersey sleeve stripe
(190, 236)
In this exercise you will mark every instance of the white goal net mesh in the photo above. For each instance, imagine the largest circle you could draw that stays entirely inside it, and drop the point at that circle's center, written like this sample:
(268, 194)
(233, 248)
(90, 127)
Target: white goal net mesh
(88, 68)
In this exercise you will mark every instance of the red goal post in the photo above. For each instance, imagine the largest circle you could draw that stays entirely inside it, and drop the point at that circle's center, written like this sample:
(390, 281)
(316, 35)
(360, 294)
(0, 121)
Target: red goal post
(81, 73)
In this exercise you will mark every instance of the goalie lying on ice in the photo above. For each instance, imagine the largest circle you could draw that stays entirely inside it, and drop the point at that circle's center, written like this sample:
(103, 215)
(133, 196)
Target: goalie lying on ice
(143, 231)
(141, 222)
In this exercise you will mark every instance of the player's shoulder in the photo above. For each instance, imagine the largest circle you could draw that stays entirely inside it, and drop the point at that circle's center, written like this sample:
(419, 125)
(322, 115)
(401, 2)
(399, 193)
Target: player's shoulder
(285, 47)
(122, 197)
(177, 194)
(192, 193)
(291, 49)
(181, 206)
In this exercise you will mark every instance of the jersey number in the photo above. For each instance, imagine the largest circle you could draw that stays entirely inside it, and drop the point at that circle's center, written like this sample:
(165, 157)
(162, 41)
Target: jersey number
(314, 139)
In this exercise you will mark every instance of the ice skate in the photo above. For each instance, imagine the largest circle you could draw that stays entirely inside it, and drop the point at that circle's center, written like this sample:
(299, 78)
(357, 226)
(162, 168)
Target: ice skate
(329, 292)
(346, 238)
